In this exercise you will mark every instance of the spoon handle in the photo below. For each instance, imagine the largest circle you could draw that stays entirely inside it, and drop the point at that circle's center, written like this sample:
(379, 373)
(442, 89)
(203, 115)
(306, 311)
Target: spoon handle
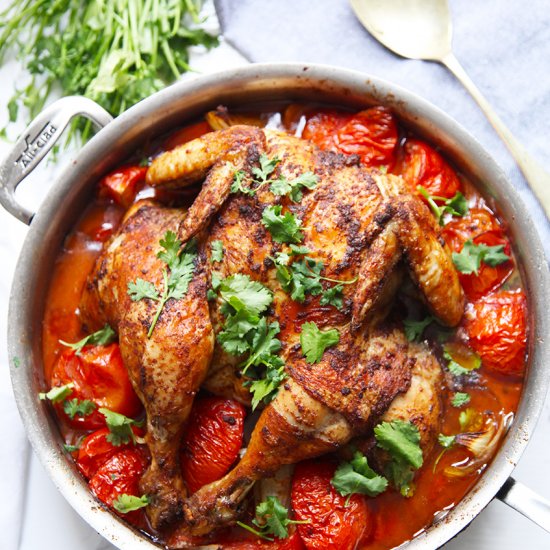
(536, 176)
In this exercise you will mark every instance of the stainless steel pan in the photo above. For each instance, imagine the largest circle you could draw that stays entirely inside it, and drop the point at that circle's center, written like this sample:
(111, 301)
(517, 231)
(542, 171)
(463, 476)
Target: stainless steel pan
(174, 106)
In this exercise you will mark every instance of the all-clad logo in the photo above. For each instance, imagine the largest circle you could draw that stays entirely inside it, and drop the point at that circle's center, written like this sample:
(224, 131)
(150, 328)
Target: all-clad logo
(34, 145)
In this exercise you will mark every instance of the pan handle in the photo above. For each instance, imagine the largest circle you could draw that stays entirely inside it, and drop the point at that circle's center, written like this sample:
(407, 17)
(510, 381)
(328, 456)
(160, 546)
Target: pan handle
(35, 142)
(526, 502)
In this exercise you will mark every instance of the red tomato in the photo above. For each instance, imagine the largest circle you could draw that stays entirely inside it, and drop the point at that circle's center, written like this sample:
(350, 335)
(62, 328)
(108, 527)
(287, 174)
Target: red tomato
(332, 524)
(213, 440)
(424, 166)
(496, 328)
(321, 127)
(179, 137)
(488, 278)
(121, 184)
(371, 134)
(475, 223)
(482, 228)
(293, 542)
(95, 450)
(98, 375)
(119, 475)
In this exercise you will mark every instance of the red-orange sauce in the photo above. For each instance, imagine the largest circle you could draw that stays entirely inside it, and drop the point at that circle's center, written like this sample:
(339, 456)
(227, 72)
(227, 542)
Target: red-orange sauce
(396, 519)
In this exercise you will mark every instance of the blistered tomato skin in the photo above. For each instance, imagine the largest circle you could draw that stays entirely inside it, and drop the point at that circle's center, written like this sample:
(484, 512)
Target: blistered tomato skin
(477, 222)
(98, 375)
(496, 328)
(423, 165)
(212, 442)
(119, 475)
(121, 184)
(372, 134)
(95, 450)
(332, 522)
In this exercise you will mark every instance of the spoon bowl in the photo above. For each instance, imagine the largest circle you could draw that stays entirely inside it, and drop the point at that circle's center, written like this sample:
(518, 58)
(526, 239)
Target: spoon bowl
(416, 29)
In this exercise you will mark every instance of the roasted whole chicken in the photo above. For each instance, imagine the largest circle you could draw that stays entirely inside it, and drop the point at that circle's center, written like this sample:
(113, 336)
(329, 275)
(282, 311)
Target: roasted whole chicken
(355, 232)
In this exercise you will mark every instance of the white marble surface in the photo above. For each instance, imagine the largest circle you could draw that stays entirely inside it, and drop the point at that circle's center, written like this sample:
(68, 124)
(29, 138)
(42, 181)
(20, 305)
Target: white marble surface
(504, 46)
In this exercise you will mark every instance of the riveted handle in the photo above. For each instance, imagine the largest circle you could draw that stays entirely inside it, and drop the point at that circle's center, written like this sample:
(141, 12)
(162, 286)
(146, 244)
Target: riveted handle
(526, 502)
(35, 142)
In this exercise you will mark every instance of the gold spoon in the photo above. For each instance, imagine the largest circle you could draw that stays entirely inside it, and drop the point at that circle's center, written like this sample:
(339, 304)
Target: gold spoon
(421, 29)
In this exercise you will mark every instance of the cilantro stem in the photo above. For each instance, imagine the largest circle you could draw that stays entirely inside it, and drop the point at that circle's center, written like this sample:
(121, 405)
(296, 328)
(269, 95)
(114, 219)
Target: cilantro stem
(162, 300)
(254, 531)
(433, 205)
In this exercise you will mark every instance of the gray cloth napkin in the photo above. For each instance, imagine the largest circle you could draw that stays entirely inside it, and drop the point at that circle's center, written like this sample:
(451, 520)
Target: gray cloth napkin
(503, 45)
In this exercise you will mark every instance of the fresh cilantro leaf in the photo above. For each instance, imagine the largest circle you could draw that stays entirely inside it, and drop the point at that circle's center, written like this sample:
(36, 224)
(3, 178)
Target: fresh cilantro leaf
(240, 292)
(446, 441)
(176, 283)
(16, 362)
(267, 167)
(211, 295)
(102, 337)
(238, 185)
(469, 259)
(495, 255)
(280, 187)
(120, 427)
(171, 246)
(75, 407)
(301, 277)
(314, 342)
(281, 258)
(70, 448)
(333, 296)
(415, 329)
(215, 280)
(58, 393)
(271, 520)
(128, 503)
(284, 228)
(264, 345)
(297, 250)
(265, 389)
(460, 399)
(141, 289)
(357, 476)
(402, 476)
(456, 206)
(217, 251)
(402, 440)
(294, 188)
(234, 336)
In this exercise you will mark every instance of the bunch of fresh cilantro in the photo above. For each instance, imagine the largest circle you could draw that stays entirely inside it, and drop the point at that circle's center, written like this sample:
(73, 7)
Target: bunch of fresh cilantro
(116, 53)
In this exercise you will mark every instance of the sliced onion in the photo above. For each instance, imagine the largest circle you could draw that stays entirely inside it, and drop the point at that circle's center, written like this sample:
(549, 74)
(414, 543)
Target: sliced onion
(482, 443)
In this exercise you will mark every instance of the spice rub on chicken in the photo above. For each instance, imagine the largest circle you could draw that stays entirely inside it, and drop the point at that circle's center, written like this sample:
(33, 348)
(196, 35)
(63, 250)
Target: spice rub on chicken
(299, 254)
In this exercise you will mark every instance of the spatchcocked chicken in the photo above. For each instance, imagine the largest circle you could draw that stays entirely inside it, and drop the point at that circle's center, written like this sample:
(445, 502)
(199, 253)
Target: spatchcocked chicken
(296, 255)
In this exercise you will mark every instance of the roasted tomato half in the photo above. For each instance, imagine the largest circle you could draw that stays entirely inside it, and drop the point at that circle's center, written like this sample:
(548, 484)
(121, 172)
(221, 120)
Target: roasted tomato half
(120, 475)
(213, 440)
(372, 134)
(98, 375)
(122, 184)
(423, 165)
(332, 522)
(496, 328)
(95, 450)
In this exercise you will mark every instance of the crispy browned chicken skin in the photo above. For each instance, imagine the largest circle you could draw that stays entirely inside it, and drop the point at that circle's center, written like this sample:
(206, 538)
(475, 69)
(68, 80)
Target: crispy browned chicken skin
(360, 224)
